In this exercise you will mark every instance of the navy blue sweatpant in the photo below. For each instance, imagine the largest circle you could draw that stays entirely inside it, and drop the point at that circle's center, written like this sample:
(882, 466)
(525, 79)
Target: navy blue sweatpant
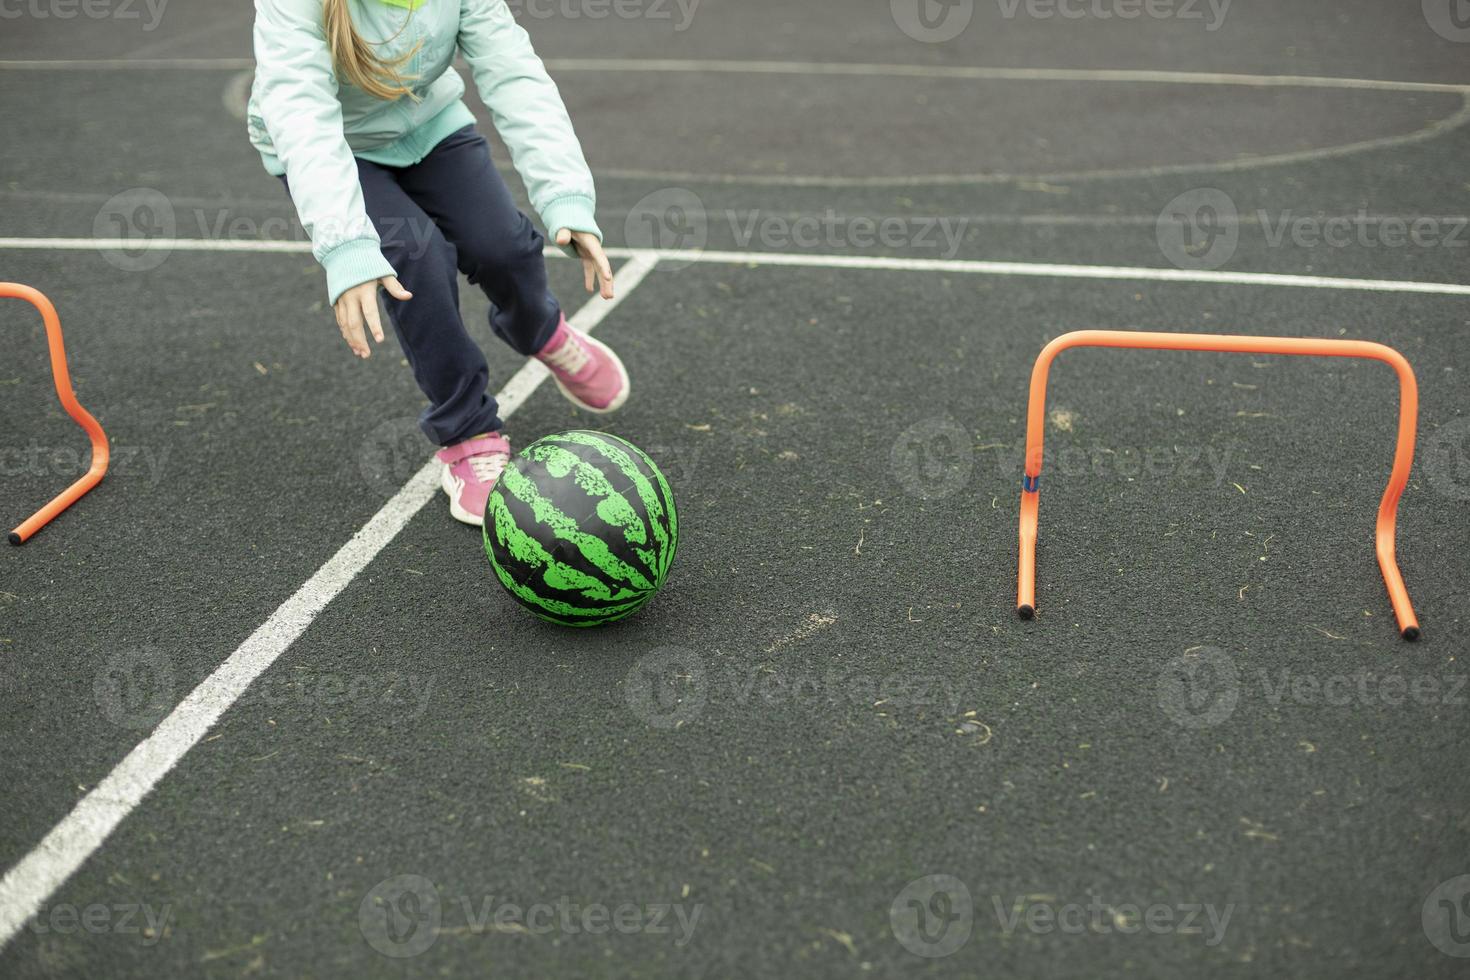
(446, 214)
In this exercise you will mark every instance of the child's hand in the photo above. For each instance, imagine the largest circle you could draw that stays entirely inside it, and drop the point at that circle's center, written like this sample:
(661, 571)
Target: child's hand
(359, 306)
(594, 260)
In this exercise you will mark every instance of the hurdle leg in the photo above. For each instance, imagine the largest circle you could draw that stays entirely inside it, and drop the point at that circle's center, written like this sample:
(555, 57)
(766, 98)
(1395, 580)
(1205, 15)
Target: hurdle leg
(62, 379)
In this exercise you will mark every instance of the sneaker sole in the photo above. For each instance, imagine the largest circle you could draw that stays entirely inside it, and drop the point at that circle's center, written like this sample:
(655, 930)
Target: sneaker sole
(617, 402)
(446, 482)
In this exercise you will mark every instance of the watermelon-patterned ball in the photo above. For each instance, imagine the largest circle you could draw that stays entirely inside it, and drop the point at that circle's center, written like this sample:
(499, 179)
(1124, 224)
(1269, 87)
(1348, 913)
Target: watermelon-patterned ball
(581, 528)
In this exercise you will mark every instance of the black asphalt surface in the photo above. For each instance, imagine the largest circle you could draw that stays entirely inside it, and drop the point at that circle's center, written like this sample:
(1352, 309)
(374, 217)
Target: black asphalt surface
(1211, 720)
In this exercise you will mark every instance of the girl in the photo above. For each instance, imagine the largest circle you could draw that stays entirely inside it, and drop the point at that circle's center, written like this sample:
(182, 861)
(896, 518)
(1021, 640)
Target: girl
(356, 109)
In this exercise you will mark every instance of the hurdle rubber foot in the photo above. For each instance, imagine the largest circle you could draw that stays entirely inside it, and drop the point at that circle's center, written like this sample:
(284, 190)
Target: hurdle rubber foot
(1026, 611)
(16, 538)
(1411, 634)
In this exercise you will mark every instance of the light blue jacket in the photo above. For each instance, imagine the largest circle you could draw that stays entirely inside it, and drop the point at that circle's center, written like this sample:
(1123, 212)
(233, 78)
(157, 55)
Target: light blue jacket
(308, 124)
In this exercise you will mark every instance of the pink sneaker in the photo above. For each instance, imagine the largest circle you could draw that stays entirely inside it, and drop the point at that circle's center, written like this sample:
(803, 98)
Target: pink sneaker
(586, 370)
(470, 471)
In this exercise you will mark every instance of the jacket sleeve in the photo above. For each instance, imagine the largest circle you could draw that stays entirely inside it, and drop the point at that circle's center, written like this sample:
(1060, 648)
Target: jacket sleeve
(529, 115)
(297, 93)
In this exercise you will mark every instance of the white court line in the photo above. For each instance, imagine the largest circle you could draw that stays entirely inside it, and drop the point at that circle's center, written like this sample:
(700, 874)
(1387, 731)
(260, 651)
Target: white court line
(981, 73)
(1061, 271)
(27, 886)
(1096, 219)
(237, 89)
(122, 64)
(727, 66)
(826, 261)
(160, 244)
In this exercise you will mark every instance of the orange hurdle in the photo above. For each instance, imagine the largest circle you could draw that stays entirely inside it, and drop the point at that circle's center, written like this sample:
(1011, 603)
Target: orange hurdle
(68, 398)
(1403, 457)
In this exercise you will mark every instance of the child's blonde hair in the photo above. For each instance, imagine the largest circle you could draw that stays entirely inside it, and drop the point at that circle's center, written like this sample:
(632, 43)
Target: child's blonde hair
(355, 61)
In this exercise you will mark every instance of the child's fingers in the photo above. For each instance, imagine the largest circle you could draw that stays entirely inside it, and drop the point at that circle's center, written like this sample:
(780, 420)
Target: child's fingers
(605, 268)
(352, 331)
(395, 289)
(374, 321)
(589, 270)
(563, 237)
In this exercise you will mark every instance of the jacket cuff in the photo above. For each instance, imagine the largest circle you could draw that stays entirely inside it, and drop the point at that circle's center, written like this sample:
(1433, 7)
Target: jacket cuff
(574, 212)
(353, 263)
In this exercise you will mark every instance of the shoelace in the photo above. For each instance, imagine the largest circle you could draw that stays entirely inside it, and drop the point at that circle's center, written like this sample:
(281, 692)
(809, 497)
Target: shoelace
(569, 358)
(487, 467)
